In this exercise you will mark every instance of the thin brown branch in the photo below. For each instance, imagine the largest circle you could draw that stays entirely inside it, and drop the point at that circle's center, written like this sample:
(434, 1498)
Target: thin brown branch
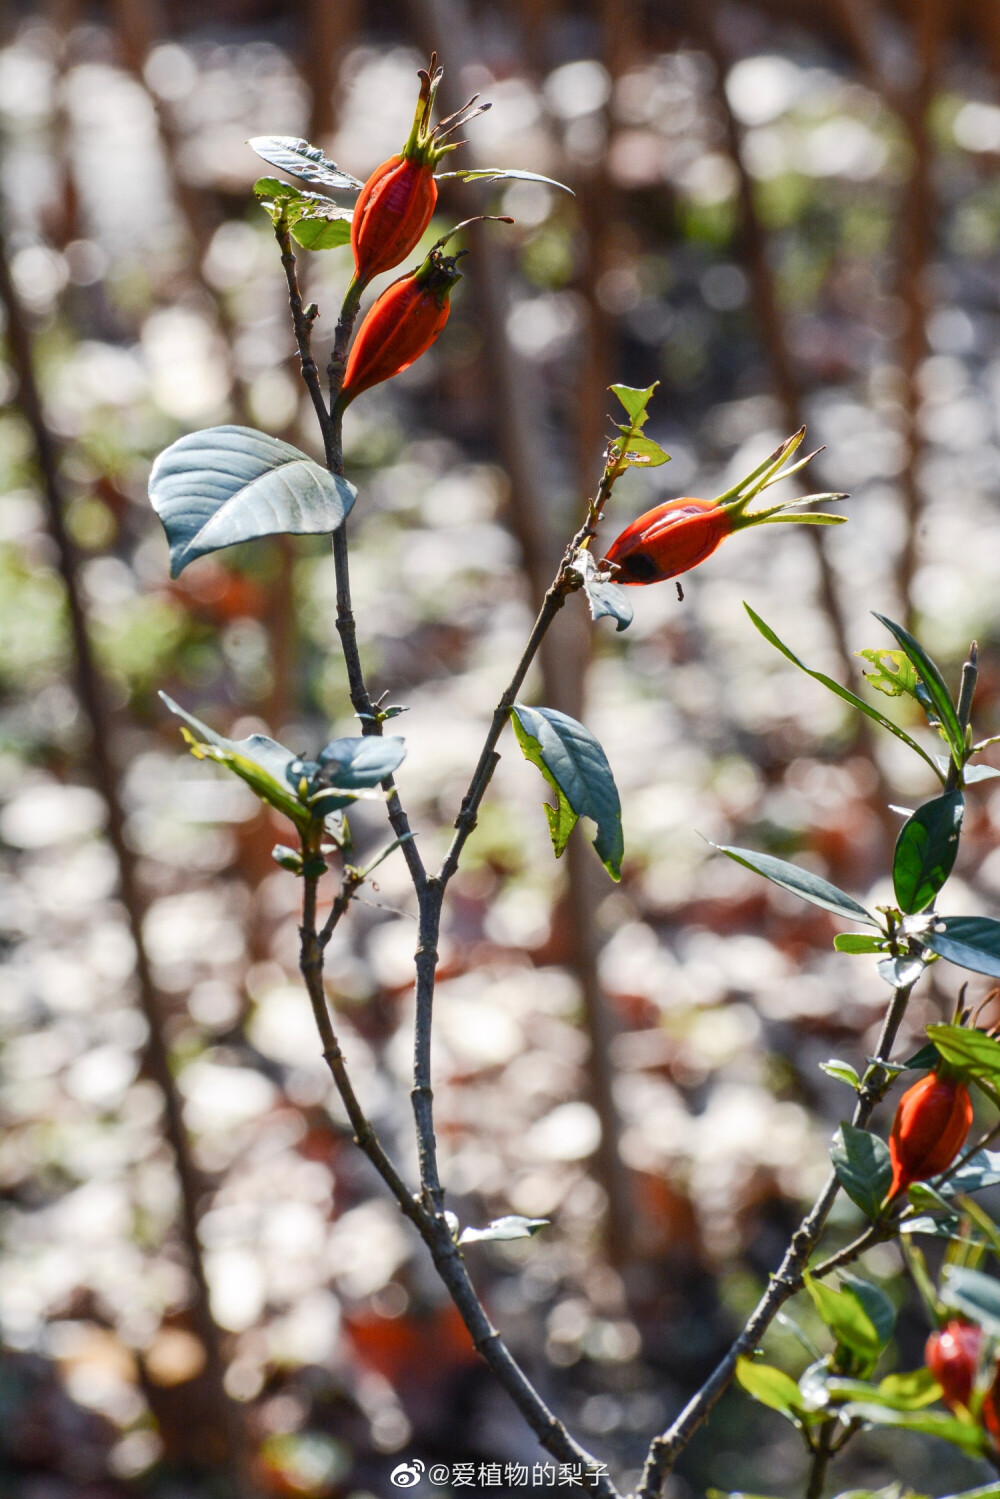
(787, 1280)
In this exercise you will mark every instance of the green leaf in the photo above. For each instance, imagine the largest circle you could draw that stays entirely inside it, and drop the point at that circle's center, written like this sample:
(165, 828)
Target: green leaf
(971, 942)
(903, 1392)
(977, 1054)
(858, 942)
(772, 1387)
(513, 1226)
(800, 882)
(923, 1060)
(980, 1171)
(317, 223)
(577, 769)
(842, 1071)
(847, 1319)
(973, 773)
(932, 679)
(504, 174)
(990, 1491)
(895, 679)
(261, 762)
(635, 402)
(864, 1169)
(975, 1294)
(315, 231)
(925, 851)
(299, 159)
(930, 1423)
(933, 1228)
(842, 692)
(880, 1308)
(356, 762)
(215, 488)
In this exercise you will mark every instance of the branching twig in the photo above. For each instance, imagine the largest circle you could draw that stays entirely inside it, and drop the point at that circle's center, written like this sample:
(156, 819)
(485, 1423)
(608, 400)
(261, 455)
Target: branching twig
(665, 1449)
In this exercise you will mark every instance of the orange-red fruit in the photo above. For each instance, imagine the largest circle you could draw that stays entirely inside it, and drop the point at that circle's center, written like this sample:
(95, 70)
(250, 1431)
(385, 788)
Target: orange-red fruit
(931, 1124)
(669, 540)
(952, 1355)
(393, 209)
(400, 325)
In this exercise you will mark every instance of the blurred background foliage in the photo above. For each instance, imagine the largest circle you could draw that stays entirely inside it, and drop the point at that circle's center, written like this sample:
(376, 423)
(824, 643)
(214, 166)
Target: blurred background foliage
(783, 212)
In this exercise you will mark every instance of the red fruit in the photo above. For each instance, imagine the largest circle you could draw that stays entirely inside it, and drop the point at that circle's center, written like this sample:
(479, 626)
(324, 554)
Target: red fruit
(931, 1124)
(393, 209)
(669, 540)
(400, 325)
(952, 1356)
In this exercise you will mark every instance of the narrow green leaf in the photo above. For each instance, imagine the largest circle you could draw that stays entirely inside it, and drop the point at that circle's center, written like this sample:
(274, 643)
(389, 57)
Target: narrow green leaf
(864, 1169)
(215, 488)
(800, 882)
(841, 692)
(771, 1387)
(577, 769)
(299, 159)
(932, 679)
(925, 851)
(971, 942)
(903, 1392)
(513, 1226)
(802, 518)
(930, 1423)
(504, 174)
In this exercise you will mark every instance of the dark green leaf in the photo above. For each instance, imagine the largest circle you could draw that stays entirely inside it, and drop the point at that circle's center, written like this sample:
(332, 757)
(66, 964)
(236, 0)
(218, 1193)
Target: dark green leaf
(299, 159)
(772, 1387)
(969, 941)
(800, 882)
(975, 1294)
(504, 174)
(900, 972)
(923, 1060)
(842, 692)
(214, 488)
(930, 1423)
(577, 769)
(511, 1227)
(925, 851)
(353, 763)
(989, 1491)
(610, 599)
(864, 1170)
(261, 762)
(858, 942)
(288, 858)
(847, 1319)
(932, 679)
(980, 1171)
(880, 1308)
(932, 1228)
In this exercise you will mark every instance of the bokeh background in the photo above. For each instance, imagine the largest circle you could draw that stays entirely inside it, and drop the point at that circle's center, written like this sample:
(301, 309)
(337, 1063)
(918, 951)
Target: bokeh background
(783, 212)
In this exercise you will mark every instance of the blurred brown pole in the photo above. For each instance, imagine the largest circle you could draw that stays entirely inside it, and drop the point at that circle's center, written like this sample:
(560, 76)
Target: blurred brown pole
(233, 1452)
(443, 25)
(769, 317)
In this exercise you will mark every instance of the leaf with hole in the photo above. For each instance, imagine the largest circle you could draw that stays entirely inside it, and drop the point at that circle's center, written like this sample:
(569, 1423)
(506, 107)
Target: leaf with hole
(577, 769)
(315, 222)
(925, 851)
(513, 1226)
(971, 942)
(864, 1169)
(215, 488)
(299, 159)
(842, 692)
(941, 705)
(801, 882)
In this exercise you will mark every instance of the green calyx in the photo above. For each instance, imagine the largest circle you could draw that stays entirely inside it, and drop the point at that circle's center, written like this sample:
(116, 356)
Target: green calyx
(737, 499)
(424, 143)
(438, 273)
